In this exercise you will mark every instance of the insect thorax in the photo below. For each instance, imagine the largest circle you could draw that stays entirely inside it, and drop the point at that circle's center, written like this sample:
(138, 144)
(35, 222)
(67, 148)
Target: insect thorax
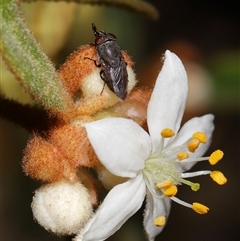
(110, 52)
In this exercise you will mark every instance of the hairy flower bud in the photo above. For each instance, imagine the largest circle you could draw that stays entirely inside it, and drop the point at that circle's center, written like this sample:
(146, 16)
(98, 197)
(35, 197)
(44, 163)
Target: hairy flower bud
(62, 207)
(43, 161)
(73, 143)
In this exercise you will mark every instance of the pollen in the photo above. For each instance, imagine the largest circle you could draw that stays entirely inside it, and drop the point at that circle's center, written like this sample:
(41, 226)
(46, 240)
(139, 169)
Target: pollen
(193, 145)
(160, 221)
(164, 184)
(218, 177)
(170, 191)
(167, 132)
(215, 157)
(200, 136)
(200, 208)
(182, 155)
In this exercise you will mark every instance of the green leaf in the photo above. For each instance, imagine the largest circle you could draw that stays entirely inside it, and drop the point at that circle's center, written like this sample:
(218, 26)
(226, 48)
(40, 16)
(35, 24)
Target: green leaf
(27, 61)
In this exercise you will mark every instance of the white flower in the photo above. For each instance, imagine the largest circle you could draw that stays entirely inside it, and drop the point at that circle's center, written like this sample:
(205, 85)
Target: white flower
(150, 161)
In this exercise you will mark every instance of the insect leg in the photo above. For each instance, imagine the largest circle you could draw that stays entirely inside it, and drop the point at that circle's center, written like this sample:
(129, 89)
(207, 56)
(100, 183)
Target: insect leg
(102, 77)
(101, 72)
(95, 62)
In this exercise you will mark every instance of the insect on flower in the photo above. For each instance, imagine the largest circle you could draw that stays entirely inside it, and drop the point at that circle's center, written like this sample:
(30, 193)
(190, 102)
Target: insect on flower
(111, 61)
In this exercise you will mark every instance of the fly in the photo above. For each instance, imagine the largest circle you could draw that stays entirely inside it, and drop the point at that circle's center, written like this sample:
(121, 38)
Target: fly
(111, 61)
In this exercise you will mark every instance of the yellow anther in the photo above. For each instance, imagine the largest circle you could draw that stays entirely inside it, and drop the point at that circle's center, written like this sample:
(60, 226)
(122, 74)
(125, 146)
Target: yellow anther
(218, 177)
(182, 155)
(167, 132)
(170, 191)
(164, 184)
(200, 136)
(215, 157)
(160, 221)
(193, 145)
(195, 187)
(199, 208)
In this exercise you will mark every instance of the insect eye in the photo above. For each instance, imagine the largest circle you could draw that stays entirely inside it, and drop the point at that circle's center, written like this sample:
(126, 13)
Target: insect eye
(99, 40)
(112, 36)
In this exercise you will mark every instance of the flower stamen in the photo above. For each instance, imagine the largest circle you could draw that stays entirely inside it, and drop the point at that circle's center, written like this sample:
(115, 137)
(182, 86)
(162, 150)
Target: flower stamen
(193, 145)
(195, 174)
(197, 207)
(170, 191)
(164, 184)
(200, 208)
(182, 155)
(167, 133)
(202, 137)
(215, 157)
(160, 221)
(218, 177)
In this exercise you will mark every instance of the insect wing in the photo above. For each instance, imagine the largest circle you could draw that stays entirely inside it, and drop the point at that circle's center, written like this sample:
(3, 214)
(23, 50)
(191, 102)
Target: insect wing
(119, 79)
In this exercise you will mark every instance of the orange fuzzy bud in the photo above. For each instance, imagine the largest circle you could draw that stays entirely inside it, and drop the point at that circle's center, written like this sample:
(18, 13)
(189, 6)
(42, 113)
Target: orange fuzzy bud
(76, 68)
(130, 109)
(43, 161)
(135, 106)
(140, 95)
(72, 141)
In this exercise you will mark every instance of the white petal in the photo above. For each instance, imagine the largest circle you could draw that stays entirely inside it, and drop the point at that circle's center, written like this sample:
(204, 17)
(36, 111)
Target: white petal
(203, 124)
(121, 145)
(119, 205)
(154, 208)
(167, 103)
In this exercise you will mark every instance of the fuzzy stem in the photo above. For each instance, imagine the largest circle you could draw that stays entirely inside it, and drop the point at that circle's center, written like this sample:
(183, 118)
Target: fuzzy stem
(27, 61)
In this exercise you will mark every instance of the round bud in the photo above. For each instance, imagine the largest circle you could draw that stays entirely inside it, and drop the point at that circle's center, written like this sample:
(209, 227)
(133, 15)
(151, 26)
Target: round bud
(62, 207)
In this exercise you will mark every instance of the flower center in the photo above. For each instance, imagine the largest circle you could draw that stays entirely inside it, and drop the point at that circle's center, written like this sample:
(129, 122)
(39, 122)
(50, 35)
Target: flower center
(162, 171)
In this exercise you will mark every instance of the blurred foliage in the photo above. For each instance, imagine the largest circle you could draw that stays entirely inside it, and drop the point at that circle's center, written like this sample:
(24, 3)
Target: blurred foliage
(225, 68)
(138, 6)
(50, 23)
